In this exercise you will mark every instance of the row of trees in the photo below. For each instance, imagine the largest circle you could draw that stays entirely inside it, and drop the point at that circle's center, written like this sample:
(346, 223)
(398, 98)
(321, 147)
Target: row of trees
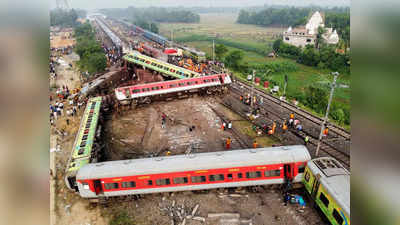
(338, 18)
(275, 16)
(325, 57)
(155, 14)
(66, 18)
(92, 57)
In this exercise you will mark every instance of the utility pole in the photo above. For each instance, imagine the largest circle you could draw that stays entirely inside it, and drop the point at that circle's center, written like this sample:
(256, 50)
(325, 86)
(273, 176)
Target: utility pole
(284, 87)
(252, 90)
(213, 51)
(335, 74)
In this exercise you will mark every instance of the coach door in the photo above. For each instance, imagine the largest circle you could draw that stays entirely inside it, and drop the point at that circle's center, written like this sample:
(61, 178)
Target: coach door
(97, 187)
(288, 171)
(221, 79)
(315, 186)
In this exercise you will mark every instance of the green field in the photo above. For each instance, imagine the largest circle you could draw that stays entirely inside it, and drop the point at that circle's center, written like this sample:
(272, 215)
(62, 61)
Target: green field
(223, 27)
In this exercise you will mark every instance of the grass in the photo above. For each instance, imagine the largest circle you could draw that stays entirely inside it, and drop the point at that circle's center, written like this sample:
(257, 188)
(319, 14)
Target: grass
(246, 127)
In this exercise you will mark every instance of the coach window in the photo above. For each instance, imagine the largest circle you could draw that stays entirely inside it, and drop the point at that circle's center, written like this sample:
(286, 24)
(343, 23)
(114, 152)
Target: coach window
(324, 199)
(196, 82)
(85, 186)
(136, 91)
(217, 177)
(130, 184)
(109, 186)
(307, 176)
(155, 88)
(301, 169)
(272, 173)
(240, 175)
(337, 216)
(181, 84)
(144, 89)
(255, 174)
(172, 85)
(149, 182)
(160, 182)
(230, 177)
(198, 179)
(153, 64)
(180, 180)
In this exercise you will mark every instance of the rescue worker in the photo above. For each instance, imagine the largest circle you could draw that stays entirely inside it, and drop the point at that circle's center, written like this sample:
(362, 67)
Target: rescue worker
(284, 126)
(292, 116)
(291, 122)
(223, 126)
(168, 153)
(241, 98)
(306, 139)
(255, 144)
(325, 132)
(228, 143)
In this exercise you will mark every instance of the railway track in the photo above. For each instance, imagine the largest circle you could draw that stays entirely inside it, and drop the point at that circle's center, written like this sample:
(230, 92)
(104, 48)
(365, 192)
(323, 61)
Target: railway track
(299, 112)
(268, 116)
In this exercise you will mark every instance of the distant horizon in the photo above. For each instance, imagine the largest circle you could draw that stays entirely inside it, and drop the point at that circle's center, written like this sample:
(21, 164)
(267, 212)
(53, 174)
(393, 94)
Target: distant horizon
(102, 4)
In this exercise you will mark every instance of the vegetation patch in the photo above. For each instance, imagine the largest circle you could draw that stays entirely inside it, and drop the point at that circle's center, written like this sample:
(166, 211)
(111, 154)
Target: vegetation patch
(92, 57)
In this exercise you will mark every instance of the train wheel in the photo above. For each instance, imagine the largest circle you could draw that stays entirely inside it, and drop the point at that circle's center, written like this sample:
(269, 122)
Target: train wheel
(147, 100)
(209, 91)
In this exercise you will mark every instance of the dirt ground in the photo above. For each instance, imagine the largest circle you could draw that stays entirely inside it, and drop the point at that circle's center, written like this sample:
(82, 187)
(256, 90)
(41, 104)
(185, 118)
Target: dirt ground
(139, 132)
(264, 207)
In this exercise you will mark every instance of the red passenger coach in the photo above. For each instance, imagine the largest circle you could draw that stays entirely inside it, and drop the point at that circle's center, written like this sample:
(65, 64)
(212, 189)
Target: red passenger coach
(225, 169)
(141, 91)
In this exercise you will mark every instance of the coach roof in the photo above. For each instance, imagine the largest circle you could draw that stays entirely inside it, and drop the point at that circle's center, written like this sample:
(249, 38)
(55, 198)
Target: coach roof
(198, 161)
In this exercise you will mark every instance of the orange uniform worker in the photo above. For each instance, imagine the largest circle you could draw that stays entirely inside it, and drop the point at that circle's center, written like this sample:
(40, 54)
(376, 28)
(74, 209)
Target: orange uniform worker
(284, 126)
(255, 144)
(228, 143)
(325, 132)
(291, 116)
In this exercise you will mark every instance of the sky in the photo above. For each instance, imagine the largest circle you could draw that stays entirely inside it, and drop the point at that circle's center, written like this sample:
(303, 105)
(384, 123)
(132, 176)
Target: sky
(97, 4)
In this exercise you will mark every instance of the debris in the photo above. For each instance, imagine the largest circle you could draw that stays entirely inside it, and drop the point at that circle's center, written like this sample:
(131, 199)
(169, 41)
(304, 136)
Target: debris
(234, 221)
(195, 209)
(198, 218)
(238, 195)
(225, 215)
(183, 222)
(67, 209)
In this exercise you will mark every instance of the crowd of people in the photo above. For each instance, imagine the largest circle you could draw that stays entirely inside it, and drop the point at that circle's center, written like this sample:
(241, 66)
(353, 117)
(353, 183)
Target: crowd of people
(113, 54)
(64, 105)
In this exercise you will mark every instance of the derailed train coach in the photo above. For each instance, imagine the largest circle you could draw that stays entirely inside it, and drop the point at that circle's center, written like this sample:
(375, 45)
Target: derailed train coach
(198, 171)
(328, 184)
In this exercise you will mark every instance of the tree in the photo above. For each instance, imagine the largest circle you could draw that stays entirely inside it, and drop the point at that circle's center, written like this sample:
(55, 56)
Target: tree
(277, 45)
(220, 51)
(154, 28)
(97, 62)
(234, 58)
(320, 39)
(316, 98)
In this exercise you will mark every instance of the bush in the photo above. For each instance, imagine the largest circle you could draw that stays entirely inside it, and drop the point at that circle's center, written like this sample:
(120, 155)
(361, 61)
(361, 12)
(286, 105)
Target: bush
(122, 218)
